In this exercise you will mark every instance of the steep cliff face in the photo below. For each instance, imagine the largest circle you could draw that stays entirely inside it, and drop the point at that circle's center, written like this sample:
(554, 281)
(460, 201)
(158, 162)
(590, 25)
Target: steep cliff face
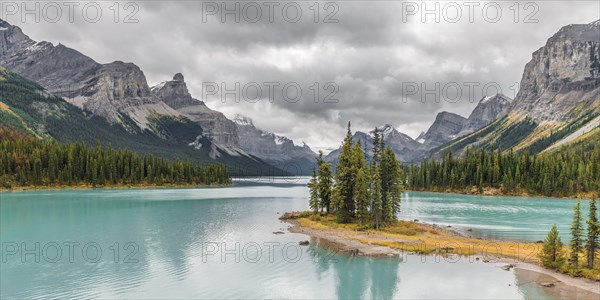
(562, 75)
(120, 88)
(44, 115)
(54, 67)
(277, 150)
(113, 91)
(445, 128)
(116, 97)
(558, 97)
(487, 110)
(216, 126)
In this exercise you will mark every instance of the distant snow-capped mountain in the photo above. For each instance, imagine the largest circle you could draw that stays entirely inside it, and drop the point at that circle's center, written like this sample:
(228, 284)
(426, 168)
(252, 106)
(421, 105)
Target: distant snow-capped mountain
(276, 150)
(405, 148)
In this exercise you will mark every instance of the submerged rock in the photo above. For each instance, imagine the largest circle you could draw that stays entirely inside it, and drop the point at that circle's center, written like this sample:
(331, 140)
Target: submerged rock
(507, 267)
(303, 243)
(547, 284)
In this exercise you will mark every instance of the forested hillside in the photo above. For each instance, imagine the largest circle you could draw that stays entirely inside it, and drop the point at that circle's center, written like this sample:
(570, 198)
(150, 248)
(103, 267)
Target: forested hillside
(568, 171)
(27, 107)
(26, 161)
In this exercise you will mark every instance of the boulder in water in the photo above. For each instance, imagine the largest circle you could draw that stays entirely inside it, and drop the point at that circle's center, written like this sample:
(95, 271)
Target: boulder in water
(547, 284)
(507, 267)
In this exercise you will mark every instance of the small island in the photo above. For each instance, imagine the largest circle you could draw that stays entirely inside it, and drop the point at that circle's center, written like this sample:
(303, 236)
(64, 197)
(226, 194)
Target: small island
(355, 209)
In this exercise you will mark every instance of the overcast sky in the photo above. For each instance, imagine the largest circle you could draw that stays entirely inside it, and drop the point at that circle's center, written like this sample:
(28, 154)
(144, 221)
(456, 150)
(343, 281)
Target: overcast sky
(375, 55)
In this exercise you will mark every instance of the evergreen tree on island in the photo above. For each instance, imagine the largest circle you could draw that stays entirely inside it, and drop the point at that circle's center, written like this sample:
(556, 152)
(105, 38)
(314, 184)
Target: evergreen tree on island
(376, 198)
(343, 192)
(367, 194)
(576, 236)
(362, 195)
(313, 186)
(593, 230)
(391, 185)
(552, 255)
(325, 183)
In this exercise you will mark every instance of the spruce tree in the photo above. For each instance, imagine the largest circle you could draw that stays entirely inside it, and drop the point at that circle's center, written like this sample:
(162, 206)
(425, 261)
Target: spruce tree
(361, 183)
(314, 192)
(344, 181)
(377, 146)
(552, 255)
(391, 185)
(593, 230)
(325, 183)
(376, 200)
(361, 191)
(576, 236)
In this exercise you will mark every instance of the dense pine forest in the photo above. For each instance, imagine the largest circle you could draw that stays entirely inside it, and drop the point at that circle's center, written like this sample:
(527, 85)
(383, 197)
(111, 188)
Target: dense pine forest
(31, 162)
(571, 170)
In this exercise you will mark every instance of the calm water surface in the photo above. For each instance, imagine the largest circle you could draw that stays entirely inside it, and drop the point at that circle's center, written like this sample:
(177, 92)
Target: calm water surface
(514, 218)
(219, 243)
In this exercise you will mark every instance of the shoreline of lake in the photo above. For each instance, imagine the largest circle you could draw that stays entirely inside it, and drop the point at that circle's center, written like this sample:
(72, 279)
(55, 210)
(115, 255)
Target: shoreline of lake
(109, 187)
(497, 193)
(487, 192)
(367, 244)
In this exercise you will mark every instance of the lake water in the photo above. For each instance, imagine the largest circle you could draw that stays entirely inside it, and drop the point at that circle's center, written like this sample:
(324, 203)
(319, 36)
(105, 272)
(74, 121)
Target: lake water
(514, 218)
(219, 243)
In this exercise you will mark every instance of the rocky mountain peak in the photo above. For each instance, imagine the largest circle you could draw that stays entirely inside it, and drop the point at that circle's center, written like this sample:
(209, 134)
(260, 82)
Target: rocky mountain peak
(178, 77)
(277, 150)
(57, 68)
(577, 32)
(405, 148)
(386, 129)
(497, 98)
(562, 75)
(243, 120)
(445, 128)
(487, 110)
(111, 91)
(174, 92)
(120, 88)
(12, 36)
(215, 125)
(420, 138)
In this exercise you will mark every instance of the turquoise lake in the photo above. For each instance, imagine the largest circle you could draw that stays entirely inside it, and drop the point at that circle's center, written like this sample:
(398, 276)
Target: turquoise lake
(219, 243)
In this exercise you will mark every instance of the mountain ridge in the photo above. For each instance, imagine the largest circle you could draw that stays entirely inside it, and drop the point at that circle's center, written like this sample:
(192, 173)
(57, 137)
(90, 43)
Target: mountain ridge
(276, 150)
(116, 92)
(559, 94)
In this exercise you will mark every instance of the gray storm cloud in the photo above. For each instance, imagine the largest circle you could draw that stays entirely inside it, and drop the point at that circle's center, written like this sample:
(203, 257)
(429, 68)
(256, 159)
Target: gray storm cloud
(371, 54)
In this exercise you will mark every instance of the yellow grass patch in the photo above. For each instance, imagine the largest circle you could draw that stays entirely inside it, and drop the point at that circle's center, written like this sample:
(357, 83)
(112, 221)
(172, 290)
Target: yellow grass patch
(420, 238)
